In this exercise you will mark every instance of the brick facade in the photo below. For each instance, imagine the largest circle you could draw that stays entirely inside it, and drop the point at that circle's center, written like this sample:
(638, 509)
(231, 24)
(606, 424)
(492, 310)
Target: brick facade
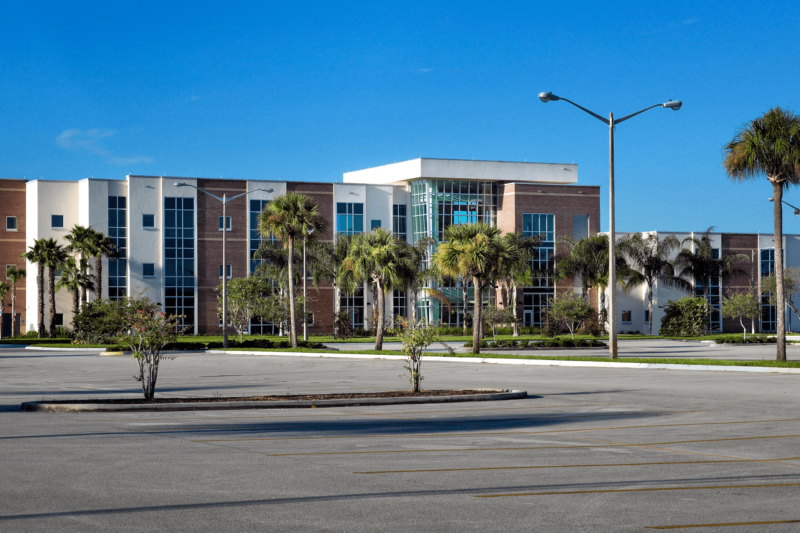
(12, 243)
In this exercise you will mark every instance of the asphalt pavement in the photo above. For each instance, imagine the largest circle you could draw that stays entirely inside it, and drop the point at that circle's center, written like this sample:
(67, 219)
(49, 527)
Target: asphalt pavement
(589, 450)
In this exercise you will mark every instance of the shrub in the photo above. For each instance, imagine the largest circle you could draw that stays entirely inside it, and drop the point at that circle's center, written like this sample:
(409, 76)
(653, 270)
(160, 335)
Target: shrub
(591, 326)
(686, 317)
(415, 338)
(99, 322)
(32, 335)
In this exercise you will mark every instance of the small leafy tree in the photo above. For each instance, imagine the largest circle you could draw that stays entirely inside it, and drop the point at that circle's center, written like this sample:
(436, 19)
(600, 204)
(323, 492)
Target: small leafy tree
(570, 309)
(494, 318)
(685, 317)
(98, 322)
(148, 331)
(415, 338)
(791, 285)
(246, 299)
(740, 306)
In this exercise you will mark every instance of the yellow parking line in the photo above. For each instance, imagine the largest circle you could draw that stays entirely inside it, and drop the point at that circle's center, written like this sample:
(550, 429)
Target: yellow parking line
(569, 466)
(655, 489)
(728, 524)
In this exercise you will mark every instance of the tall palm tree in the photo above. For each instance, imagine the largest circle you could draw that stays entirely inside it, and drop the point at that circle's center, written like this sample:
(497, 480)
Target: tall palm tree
(474, 251)
(700, 266)
(769, 146)
(81, 241)
(101, 246)
(650, 257)
(289, 217)
(54, 257)
(36, 255)
(14, 274)
(379, 258)
(3, 292)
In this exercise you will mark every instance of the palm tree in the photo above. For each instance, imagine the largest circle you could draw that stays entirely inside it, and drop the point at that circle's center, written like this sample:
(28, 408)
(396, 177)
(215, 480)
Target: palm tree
(14, 274)
(3, 291)
(325, 266)
(649, 256)
(769, 146)
(519, 271)
(101, 246)
(474, 251)
(289, 217)
(380, 258)
(81, 241)
(74, 277)
(35, 254)
(418, 272)
(700, 265)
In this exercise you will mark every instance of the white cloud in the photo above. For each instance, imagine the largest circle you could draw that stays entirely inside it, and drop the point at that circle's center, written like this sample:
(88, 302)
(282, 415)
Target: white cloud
(87, 141)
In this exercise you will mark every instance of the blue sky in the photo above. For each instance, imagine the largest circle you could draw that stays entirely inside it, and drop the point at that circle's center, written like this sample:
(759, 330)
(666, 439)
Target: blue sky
(307, 91)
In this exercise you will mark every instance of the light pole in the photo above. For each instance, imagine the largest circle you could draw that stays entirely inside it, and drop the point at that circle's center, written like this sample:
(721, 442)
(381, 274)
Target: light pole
(224, 201)
(305, 279)
(796, 209)
(612, 270)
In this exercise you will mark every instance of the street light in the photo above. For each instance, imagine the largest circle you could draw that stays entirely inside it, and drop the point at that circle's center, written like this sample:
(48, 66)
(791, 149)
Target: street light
(612, 271)
(305, 279)
(224, 201)
(796, 209)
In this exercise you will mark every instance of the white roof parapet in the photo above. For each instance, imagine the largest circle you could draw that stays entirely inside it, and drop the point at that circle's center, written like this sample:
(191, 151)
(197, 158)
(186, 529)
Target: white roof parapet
(464, 169)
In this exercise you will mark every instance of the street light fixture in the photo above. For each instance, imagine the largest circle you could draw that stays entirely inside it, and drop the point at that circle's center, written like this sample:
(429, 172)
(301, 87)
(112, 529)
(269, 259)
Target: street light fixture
(224, 201)
(612, 281)
(796, 209)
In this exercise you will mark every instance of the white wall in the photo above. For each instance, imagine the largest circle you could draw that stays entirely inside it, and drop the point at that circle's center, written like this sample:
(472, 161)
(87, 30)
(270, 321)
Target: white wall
(146, 245)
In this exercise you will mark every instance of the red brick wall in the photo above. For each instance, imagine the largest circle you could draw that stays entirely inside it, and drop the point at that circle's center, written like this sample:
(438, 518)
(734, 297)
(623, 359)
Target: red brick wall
(12, 243)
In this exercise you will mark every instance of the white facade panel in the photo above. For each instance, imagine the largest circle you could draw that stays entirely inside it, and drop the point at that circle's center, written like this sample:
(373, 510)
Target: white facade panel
(145, 245)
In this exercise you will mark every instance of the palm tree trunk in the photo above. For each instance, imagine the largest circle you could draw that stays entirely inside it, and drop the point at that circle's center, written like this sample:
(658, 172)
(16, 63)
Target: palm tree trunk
(292, 312)
(650, 309)
(380, 311)
(514, 307)
(51, 287)
(14, 332)
(75, 308)
(464, 296)
(337, 307)
(98, 272)
(41, 302)
(83, 289)
(777, 194)
(476, 317)
(412, 302)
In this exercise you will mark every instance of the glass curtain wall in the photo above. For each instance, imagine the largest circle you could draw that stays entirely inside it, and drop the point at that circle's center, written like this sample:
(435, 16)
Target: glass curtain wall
(257, 325)
(436, 205)
(714, 299)
(179, 273)
(536, 298)
(117, 232)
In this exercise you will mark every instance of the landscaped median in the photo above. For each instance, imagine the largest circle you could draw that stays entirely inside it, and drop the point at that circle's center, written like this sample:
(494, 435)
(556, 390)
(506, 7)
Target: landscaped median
(276, 402)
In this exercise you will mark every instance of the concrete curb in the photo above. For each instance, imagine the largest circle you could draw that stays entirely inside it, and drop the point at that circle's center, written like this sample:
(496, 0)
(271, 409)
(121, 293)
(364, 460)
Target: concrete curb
(534, 362)
(289, 404)
(98, 350)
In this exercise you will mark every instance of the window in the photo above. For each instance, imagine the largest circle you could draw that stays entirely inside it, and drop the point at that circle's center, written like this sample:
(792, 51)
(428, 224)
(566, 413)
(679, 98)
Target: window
(349, 218)
(310, 319)
(228, 269)
(769, 313)
(536, 298)
(399, 220)
(179, 273)
(353, 304)
(117, 232)
(11, 223)
(148, 221)
(374, 224)
(400, 301)
(58, 319)
(714, 297)
(437, 204)
(149, 270)
(626, 317)
(228, 223)
(580, 227)
(646, 316)
(56, 221)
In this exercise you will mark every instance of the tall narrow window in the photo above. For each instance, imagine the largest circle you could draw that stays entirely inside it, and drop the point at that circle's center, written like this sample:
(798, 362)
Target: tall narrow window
(769, 313)
(258, 326)
(353, 305)
(117, 232)
(399, 220)
(714, 298)
(179, 273)
(536, 299)
(580, 227)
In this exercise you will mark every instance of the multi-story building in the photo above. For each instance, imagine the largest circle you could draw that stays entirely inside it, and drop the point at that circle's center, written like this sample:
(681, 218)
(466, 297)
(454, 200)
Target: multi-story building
(170, 236)
(632, 307)
(12, 244)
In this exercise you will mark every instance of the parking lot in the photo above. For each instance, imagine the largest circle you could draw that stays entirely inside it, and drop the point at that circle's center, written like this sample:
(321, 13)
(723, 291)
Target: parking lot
(589, 450)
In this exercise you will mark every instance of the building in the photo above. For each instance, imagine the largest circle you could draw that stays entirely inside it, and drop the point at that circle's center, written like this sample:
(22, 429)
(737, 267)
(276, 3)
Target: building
(632, 307)
(12, 244)
(170, 236)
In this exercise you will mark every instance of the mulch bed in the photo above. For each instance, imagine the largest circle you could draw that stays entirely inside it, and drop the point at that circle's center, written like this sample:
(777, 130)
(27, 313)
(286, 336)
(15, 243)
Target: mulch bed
(346, 396)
